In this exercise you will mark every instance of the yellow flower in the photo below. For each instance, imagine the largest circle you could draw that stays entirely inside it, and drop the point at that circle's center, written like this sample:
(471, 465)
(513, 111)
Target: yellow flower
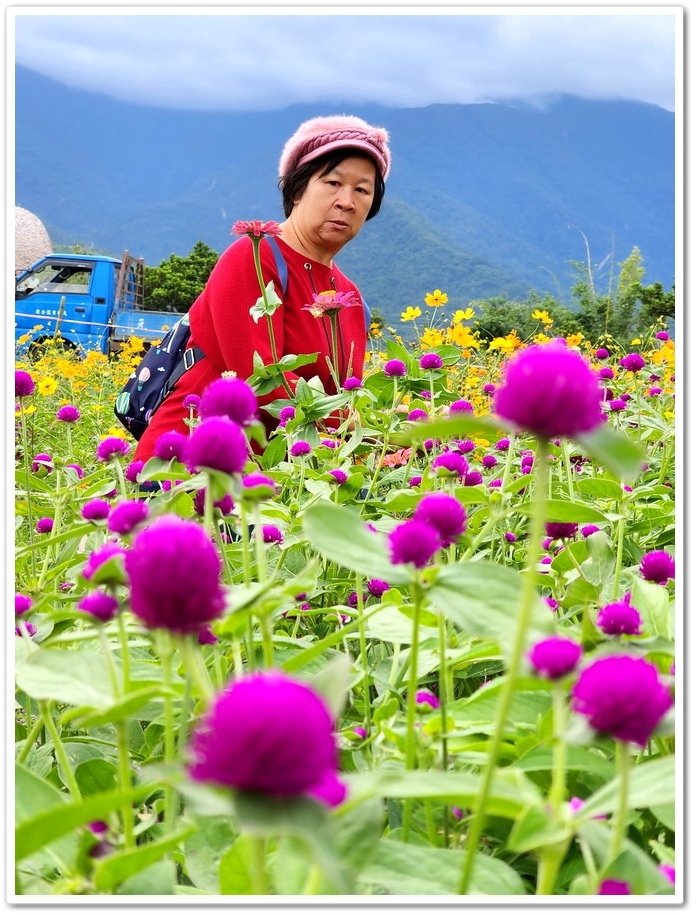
(411, 314)
(30, 409)
(116, 431)
(460, 315)
(436, 298)
(47, 386)
(543, 316)
(463, 337)
(540, 339)
(24, 338)
(431, 338)
(636, 342)
(480, 443)
(574, 340)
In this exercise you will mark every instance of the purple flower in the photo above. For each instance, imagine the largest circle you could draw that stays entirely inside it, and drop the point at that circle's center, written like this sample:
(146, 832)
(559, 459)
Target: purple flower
(457, 813)
(430, 361)
(23, 603)
(425, 698)
(654, 391)
(68, 414)
(377, 587)
(444, 513)
(286, 413)
(461, 406)
(394, 368)
(612, 887)
(450, 464)
(206, 637)
(44, 525)
(112, 447)
(225, 504)
(329, 443)
(465, 446)
(657, 566)
(617, 404)
(174, 572)
(352, 383)
(625, 396)
(510, 537)
(265, 733)
(170, 445)
(559, 530)
(360, 732)
(300, 448)
(100, 556)
(606, 372)
(78, 470)
(24, 384)
(552, 603)
(473, 478)
(229, 397)
(633, 362)
(191, 402)
(622, 696)
(587, 530)
(662, 335)
(217, 444)
(100, 605)
(95, 510)
(498, 482)
(415, 481)
(489, 388)
(272, 534)
(25, 628)
(502, 444)
(619, 617)
(413, 542)
(417, 414)
(668, 871)
(602, 353)
(555, 657)
(99, 828)
(338, 475)
(259, 486)
(42, 462)
(550, 391)
(489, 461)
(127, 515)
(132, 471)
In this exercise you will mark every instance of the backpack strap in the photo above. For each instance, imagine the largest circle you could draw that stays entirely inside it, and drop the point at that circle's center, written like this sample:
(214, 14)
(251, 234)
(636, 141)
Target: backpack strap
(281, 264)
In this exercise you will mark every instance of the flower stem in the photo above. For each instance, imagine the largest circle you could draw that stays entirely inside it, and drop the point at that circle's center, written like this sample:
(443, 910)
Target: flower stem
(411, 698)
(363, 652)
(59, 750)
(529, 593)
(623, 770)
(259, 878)
(25, 456)
(166, 652)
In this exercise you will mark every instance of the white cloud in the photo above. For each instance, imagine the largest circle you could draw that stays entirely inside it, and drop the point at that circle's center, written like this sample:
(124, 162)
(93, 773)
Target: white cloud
(208, 60)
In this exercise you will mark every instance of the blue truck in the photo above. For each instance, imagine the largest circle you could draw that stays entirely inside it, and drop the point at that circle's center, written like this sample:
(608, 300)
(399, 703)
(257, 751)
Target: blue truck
(90, 302)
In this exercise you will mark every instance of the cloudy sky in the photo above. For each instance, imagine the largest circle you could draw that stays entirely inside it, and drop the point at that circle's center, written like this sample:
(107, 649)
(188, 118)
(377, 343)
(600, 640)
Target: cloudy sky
(265, 58)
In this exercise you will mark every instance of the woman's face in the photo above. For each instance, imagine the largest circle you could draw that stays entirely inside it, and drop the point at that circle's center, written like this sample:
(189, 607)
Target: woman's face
(334, 206)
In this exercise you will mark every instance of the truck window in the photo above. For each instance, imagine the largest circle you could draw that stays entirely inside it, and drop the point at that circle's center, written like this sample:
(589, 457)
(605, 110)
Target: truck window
(57, 278)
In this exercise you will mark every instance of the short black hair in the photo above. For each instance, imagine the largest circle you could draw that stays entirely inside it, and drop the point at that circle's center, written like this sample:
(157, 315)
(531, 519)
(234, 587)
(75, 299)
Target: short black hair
(294, 184)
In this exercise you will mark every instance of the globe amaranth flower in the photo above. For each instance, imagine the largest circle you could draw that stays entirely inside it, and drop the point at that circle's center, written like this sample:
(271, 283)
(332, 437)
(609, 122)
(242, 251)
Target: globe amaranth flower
(657, 566)
(191, 402)
(449, 464)
(229, 397)
(272, 534)
(68, 414)
(174, 574)
(413, 542)
(431, 361)
(23, 603)
(415, 481)
(206, 637)
(444, 513)
(425, 699)
(42, 462)
(78, 470)
(473, 478)
(338, 475)
(502, 444)
(668, 871)
(551, 391)
(662, 335)
(489, 461)
(300, 448)
(170, 445)
(621, 696)
(267, 733)
(555, 657)
(560, 530)
(102, 555)
(24, 384)
(44, 525)
(416, 414)
(127, 515)
(95, 510)
(360, 732)
(619, 617)
(132, 470)
(552, 603)
(25, 628)
(461, 406)
(99, 605)
(352, 383)
(217, 444)
(587, 530)
(654, 391)
(602, 353)
(286, 413)
(377, 587)
(510, 537)
(617, 405)
(394, 368)
(633, 362)
(612, 887)
(606, 372)
(112, 447)
(225, 504)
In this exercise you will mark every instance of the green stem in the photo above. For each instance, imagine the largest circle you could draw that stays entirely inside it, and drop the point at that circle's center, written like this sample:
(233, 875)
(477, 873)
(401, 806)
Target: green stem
(194, 666)
(121, 479)
(620, 531)
(59, 749)
(125, 652)
(568, 470)
(527, 599)
(558, 774)
(30, 740)
(166, 652)
(411, 698)
(256, 242)
(442, 679)
(25, 450)
(264, 616)
(623, 771)
(48, 556)
(259, 878)
(313, 882)
(363, 651)
(550, 860)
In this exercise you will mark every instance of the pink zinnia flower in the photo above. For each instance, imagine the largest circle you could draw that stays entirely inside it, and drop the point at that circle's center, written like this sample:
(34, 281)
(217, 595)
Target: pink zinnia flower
(170, 445)
(266, 733)
(229, 397)
(657, 566)
(555, 657)
(217, 444)
(255, 228)
(112, 447)
(444, 513)
(413, 542)
(622, 696)
(24, 384)
(67, 413)
(127, 515)
(329, 303)
(550, 391)
(174, 573)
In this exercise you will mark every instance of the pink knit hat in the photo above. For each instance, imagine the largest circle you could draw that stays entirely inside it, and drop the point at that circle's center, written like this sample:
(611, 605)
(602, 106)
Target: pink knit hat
(319, 135)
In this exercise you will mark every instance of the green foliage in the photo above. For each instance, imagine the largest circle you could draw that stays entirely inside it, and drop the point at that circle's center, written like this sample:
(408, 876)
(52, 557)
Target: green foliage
(178, 281)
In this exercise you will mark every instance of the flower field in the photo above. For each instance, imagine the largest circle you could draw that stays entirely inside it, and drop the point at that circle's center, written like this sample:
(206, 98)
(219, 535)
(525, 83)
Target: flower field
(421, 641)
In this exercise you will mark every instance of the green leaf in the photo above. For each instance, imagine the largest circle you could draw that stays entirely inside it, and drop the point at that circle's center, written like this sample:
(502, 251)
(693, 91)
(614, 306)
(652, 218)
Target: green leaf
(562, 510)
(74, 677)
(651, 783)
(116, 712)
(234, 875)
(460, 426)
(535, 828)
(32, 796)
(333, 683)
(156, 880)
(613, 450)
(599, 488)
(118, 867)
(204, 851)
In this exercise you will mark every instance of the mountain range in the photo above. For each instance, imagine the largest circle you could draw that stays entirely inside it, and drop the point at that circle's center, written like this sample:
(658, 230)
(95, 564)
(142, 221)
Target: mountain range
(482, 201)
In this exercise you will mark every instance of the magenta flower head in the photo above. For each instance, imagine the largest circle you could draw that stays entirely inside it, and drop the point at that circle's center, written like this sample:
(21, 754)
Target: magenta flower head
(606, 372)
(587, 530)
(259, 487)
(67, 413)
(255, 228)
(450, 464)
(352, 383)
(445, 514)
(42, 463)
(461, 406)
(272, 534)
(338, 475)
(95, 510)
(503, 444)
(78, 470)
(633, 362)
(558, 530)
(266, 733)
(229, 397)
(657, 566)
(413, 542)
(662, 335)
(191, 402)
(100, 556)
(225, 504)
(218, 444)
(619, 617)
(551, 391)
(127, 515)
(602, 353)
(431, 361)
(612, 887)
(25, 628)
(132, 471)
(668, 871)
(300, 448)
(377, 587)
(101, 606)
(206, 637)
(416, 414)
(555, 657)
(622, 696)
(286, 413)
(24, 384)
(489, 461)
(112, 447)
(23, 603)
(426, 700)
(473, 478)
(174, 572)
(617, 404)
(170, 445)
(394, 368)
(44, 525)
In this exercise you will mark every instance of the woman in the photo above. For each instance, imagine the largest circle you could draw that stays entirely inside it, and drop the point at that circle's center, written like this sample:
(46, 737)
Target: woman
(332, 174)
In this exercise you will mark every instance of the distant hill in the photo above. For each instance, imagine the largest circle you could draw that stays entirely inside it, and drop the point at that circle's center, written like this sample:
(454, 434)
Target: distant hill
(483, 200)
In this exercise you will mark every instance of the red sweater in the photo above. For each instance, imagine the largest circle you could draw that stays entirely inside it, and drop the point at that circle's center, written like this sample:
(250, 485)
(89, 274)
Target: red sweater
(223, 328)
